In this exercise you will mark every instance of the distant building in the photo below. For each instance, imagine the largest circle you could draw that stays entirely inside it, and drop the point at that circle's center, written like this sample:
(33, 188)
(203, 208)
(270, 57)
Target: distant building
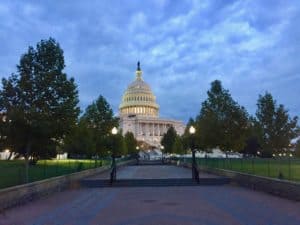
(139, 114)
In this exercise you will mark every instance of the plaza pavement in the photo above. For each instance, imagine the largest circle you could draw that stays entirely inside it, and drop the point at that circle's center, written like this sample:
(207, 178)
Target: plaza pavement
(152, 172)
(194, 205)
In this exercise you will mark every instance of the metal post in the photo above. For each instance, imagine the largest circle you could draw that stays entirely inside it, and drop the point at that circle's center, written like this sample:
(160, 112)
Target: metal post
(241, 164)
(289, 168)
(195, 172)
(45, 168)
(252, 164)
(69, 163)
(113, 172)
(193, 164)
(268, 167)
(21, 177)
(56, 168)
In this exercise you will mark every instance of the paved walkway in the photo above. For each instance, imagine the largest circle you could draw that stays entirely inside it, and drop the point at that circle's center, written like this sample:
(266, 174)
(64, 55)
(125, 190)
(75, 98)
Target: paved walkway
(197, 205)
(152, 172)
(209, 205)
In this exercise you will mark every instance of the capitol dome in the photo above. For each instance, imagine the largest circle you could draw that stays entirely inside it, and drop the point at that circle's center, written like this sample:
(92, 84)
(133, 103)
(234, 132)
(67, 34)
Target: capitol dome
(138, 99)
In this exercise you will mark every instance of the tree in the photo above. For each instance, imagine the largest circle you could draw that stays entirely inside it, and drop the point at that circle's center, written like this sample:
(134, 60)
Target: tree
(252, 143)
(80, 141)
(252, 146)
(168, 140)
(39, 102)
(277, 128)
(178, 146)
(222, 122)
(187, 139)
(131, 143)
(116, 145)
(99, 117)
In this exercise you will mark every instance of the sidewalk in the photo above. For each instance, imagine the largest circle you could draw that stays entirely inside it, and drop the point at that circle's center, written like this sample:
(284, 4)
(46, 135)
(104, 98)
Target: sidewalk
(152, 172)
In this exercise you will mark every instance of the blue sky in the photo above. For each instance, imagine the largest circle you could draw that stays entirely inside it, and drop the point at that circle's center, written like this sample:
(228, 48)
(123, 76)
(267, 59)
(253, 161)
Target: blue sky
(252, 46)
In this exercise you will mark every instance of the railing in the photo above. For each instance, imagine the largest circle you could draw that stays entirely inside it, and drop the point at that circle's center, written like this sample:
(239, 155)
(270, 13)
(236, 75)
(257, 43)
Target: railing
(12, 172)
(282, 168)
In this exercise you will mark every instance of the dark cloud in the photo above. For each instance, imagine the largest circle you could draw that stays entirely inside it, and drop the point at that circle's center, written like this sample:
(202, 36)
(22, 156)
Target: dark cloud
(252, 46)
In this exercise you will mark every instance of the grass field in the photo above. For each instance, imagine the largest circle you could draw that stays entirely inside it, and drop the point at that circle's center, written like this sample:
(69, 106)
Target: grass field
(13, 172)
(289, 168)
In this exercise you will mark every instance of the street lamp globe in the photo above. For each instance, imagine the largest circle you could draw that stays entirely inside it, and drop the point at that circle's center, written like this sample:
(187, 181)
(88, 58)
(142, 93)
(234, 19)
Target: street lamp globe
(114, 131)
(192, 130)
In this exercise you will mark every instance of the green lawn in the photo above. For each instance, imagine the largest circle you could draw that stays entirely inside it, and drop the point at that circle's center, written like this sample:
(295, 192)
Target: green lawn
(289, 168)
(13, 172)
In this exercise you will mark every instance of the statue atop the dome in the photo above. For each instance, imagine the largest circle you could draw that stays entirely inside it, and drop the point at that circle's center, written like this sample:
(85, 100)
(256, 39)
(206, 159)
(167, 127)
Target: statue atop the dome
(138, 71)
(138, 66)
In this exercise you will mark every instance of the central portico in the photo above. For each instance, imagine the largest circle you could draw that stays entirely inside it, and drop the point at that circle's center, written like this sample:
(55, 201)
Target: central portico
(139, 113)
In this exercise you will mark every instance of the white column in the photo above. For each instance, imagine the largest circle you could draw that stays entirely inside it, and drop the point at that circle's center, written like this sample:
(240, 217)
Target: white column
(153, 129)
(159, 128)
(148, 129)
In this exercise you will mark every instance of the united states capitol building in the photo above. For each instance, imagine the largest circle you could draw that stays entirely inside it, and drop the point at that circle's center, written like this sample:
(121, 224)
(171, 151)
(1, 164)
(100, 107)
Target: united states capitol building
(139, 114)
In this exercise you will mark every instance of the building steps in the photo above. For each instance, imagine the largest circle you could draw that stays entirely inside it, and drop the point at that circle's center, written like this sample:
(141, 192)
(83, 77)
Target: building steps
(98, 183)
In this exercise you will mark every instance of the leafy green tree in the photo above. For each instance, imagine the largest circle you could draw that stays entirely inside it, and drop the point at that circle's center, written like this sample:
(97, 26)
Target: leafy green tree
(252, 146)
(116, 145)
(277, 128)
(178, 146)
(187, 139)
(99, 117)
(168, 140)
(252, 142)
(131, 143)
(80, 141)
(40, 102)
(222, 122)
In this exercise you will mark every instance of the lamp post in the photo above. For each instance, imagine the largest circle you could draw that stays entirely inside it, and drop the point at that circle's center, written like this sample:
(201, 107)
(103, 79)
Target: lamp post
(162, 153)
(113, 173)
(137, 154)
(195, 174)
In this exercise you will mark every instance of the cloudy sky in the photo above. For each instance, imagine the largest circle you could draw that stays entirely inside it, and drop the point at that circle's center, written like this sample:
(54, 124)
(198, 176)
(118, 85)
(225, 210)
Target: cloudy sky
(252, 46)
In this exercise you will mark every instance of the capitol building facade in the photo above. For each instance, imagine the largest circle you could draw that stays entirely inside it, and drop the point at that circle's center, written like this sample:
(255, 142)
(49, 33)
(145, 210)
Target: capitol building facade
(139, 114)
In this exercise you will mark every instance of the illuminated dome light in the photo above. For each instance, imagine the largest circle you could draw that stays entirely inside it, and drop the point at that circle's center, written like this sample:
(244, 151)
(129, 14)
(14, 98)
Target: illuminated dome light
(138, 99)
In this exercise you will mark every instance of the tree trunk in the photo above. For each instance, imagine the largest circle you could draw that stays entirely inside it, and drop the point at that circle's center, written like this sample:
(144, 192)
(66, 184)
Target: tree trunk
(10, 155)
(27, 154)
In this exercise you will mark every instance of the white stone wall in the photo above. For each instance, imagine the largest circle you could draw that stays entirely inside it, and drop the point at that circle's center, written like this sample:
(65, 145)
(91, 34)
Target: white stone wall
(150, 130)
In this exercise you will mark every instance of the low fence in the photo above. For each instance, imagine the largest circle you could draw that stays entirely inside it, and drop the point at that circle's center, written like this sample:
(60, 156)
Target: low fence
(282, 168)
(21, 194)
(13, 172)
(283, 188)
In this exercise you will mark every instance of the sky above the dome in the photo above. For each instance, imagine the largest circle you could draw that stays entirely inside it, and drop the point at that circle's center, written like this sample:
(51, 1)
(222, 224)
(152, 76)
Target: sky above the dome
(252, 46)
